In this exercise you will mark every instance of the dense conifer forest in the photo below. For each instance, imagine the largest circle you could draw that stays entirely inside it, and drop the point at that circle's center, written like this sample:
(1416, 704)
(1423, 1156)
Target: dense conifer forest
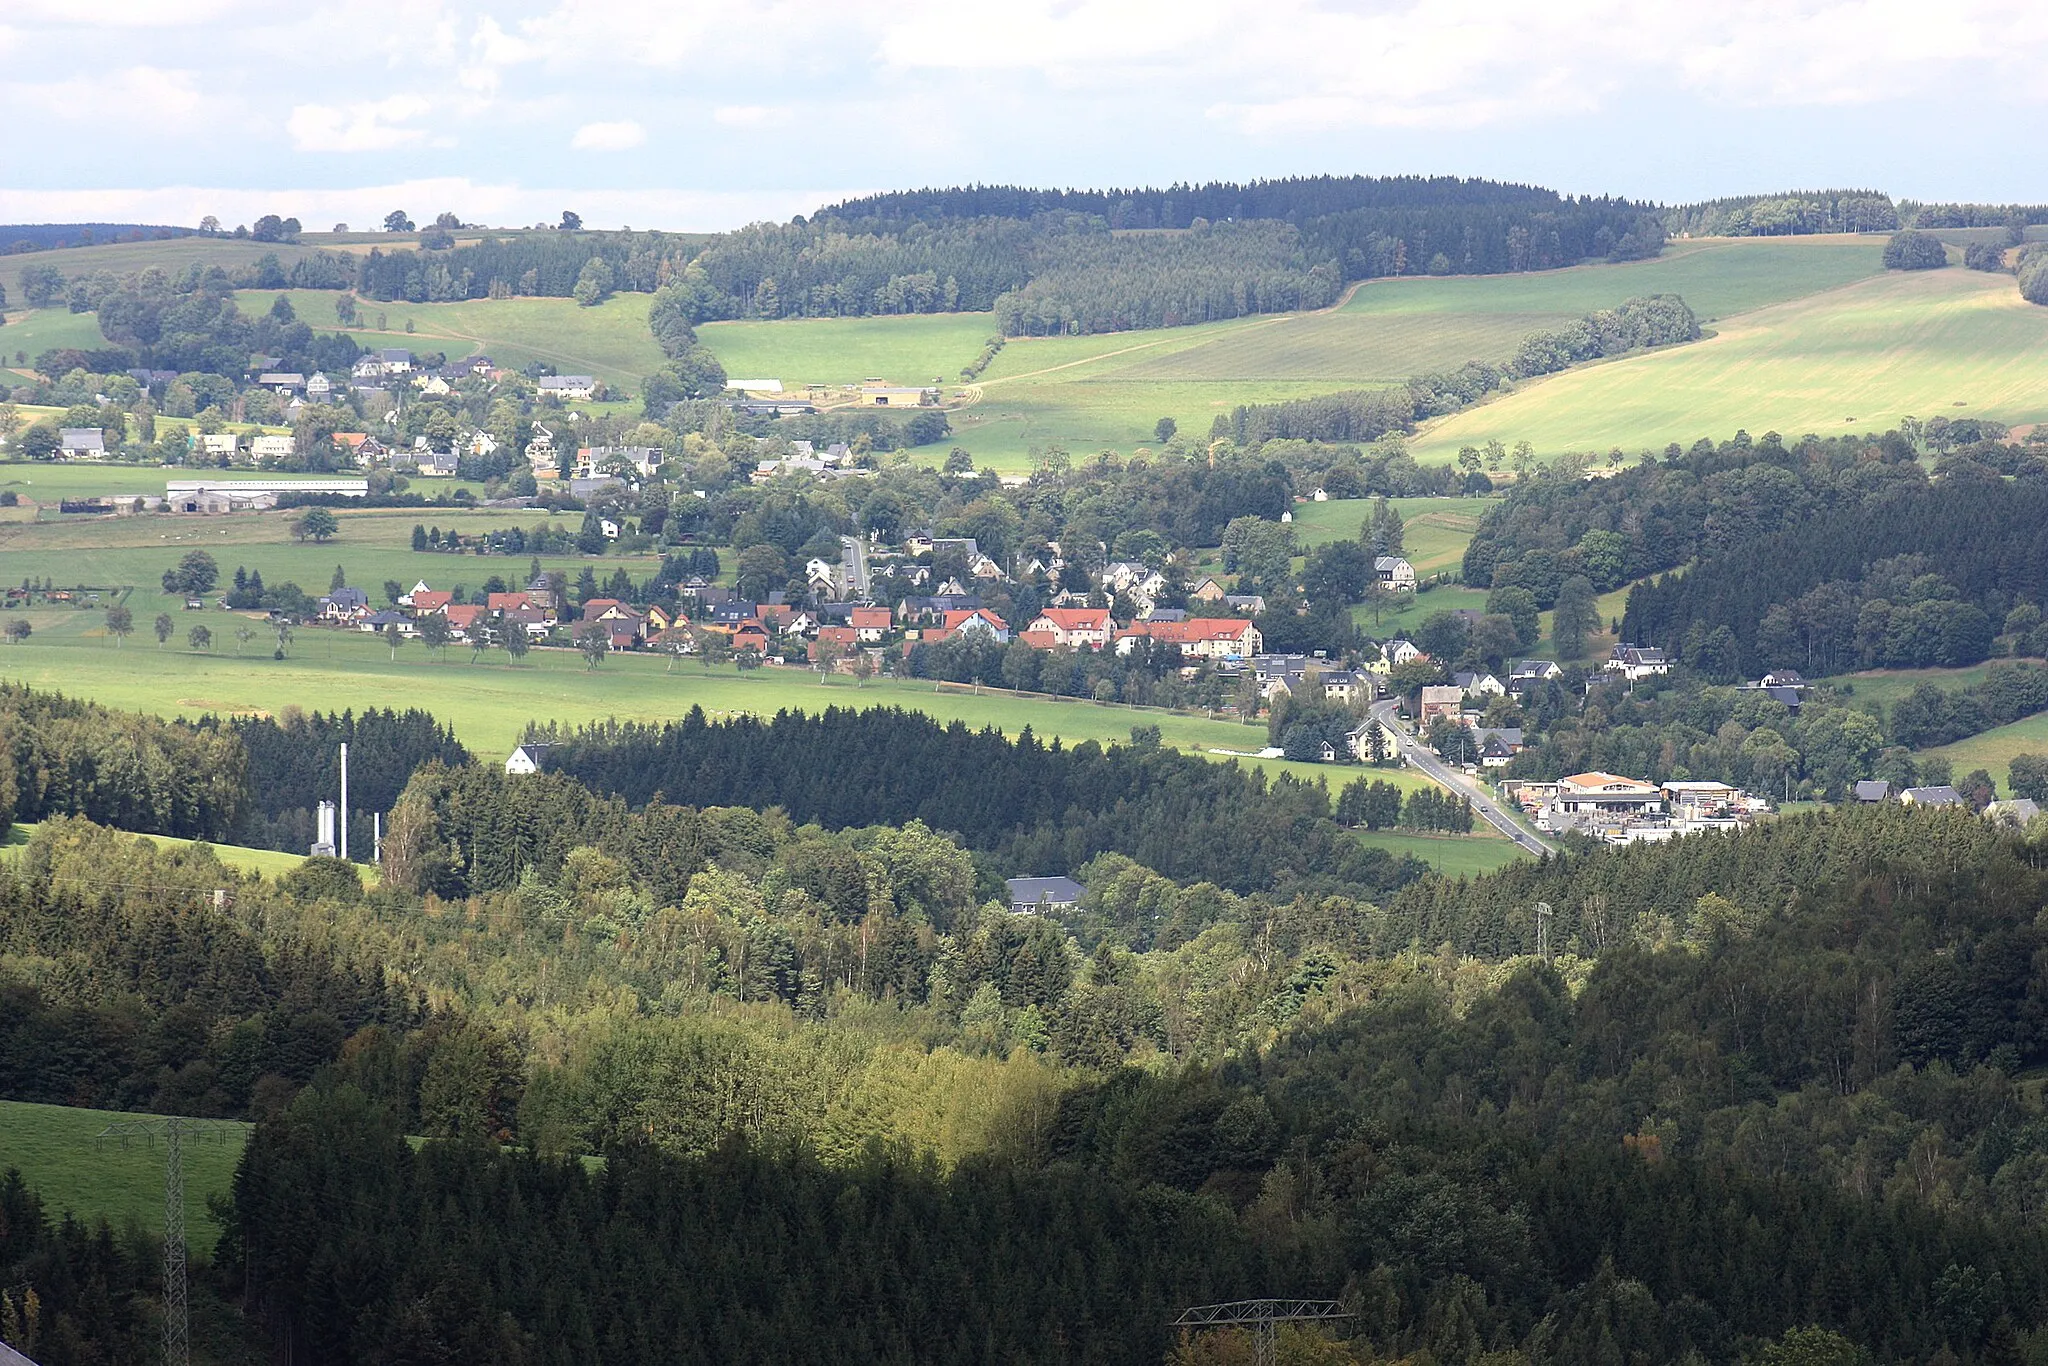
(1768, 1096)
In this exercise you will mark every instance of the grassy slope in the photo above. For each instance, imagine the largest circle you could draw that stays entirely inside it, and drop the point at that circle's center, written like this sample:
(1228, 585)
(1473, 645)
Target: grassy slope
(58, 1152)
(1857, 358)
(373, 546)
(1993, 750)
(610, 340)
(1106, 392)
(923, 349)
(1435, 530)
(269, 862)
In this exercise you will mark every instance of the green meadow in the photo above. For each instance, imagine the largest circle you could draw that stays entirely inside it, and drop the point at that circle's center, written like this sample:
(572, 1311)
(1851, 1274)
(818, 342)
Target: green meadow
(372, 546)
(609, 340)
(1856, 358)
(59, 1153)
(1993, 750)
(1435, 530)
(269, 862)
(1090, 393)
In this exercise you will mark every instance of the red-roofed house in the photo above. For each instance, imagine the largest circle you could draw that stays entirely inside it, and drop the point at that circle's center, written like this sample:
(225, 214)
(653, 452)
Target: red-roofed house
(1080, 627)
(426, 604)
(750, 636)
(1208, 637)
(870, 624)
(980, 621)
(595, 608)
(463, 616)
(508, 602)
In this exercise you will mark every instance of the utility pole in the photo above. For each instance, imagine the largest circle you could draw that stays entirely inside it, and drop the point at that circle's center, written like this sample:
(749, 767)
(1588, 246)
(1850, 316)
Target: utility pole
(176, 1132)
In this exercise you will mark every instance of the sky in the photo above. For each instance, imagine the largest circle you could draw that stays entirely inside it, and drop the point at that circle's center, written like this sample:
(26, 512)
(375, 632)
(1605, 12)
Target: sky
(687, 115)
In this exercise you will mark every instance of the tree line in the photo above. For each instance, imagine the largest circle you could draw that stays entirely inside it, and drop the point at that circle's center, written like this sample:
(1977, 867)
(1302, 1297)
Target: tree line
(1369, 226)
(1035, 808)
(1698, 503)
(1795, 213)
(61, 756)
(1921, 577)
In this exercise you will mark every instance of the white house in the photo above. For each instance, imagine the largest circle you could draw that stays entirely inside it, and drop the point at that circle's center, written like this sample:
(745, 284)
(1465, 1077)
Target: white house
(526, 759)
(1637, 662)
(581, 387)
(270, 447)
(1395, 574)
(81, 443)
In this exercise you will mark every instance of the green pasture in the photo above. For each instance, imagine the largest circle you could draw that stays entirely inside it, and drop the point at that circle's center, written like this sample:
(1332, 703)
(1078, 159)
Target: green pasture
(173, 255)
(1993, 750)
(926, 348)
(52, 482)
(59, 1153)
(489, 703)
(372, 546)
(1886, 686)
(1400, 616)
(1088, 393)
(1854, 359)
(1717, 277)
(1451, 855)
(32, 331)
(269, 862)
(609, 340)
(1435, 531)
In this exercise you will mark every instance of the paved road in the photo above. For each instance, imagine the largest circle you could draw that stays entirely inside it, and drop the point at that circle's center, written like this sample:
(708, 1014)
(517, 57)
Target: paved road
(1482, 800)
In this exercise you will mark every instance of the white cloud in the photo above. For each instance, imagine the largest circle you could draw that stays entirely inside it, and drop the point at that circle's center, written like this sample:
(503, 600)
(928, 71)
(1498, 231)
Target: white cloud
(121, 13)
(753, 115)
(371, 126)
(608, 137)
(145, 96)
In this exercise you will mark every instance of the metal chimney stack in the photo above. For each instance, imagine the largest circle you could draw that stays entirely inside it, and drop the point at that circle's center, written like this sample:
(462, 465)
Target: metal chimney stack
(324, 846)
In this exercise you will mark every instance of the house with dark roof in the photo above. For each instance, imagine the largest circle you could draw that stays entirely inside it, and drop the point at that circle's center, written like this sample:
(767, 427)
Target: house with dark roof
(1030, 895)
(1940, 795)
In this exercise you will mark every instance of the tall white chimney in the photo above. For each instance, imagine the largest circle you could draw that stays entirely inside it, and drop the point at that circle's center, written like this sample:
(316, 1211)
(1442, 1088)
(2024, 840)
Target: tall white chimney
(344, 801)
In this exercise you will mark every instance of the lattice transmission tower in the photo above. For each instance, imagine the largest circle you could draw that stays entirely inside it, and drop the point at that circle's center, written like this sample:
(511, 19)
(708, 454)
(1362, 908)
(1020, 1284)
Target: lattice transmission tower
(175, 1132)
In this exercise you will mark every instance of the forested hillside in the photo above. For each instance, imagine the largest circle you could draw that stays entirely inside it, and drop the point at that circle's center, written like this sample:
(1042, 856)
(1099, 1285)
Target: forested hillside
(1035, 808)
(820, 1070)
(1919, 577)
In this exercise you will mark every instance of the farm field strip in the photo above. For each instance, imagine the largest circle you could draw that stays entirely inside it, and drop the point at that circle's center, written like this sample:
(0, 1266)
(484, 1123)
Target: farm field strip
(1854, 359)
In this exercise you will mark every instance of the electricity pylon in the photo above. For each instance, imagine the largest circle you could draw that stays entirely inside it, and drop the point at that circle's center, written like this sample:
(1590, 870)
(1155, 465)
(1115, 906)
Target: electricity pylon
(175, 1132)
(1264, 1318)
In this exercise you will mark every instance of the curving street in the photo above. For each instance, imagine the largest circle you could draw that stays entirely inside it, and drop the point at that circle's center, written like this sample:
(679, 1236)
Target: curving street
(1483, 802)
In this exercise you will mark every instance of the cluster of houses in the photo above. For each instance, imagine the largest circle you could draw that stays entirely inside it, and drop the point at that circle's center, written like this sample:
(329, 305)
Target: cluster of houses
(1623, 810)
(831, 631)
(2019, 812)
